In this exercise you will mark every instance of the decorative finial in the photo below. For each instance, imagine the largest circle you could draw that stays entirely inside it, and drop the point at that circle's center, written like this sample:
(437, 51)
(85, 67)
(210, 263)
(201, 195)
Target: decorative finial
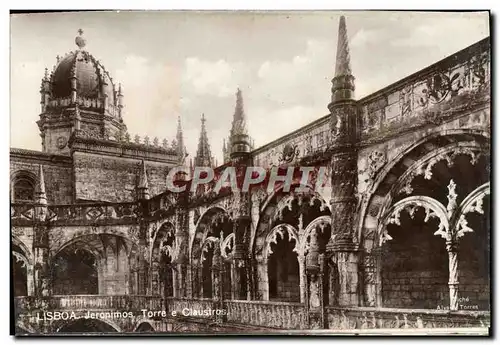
(239, 141)
(343, 82)
(46, 74)
(203, 118)
(41, 196)
(79, 40)
(343, 61)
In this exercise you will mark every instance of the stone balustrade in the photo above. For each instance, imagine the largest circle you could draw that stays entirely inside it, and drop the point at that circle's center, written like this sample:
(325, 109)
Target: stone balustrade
(78, 214)
(76, 303)
(268, 314)
(258, 314)
(191, 307)
(386, 318)
(286, 315)
(85, 103)
(280, 315)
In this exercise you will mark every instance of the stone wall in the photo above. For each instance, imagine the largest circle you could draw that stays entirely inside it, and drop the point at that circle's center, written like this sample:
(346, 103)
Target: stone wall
(422, 290)
(57, 176)
(473, 291)
(288, 290)
(114, 179)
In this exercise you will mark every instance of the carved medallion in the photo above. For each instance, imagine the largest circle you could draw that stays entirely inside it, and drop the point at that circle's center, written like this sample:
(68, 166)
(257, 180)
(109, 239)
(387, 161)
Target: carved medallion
(61, 142)
(290, 151)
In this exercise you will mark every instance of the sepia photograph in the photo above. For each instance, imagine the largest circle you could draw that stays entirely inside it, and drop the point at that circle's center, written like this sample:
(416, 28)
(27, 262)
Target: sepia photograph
(250, 173)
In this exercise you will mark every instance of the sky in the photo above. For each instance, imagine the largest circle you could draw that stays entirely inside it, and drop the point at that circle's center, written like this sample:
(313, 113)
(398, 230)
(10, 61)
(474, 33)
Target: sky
(184, 64)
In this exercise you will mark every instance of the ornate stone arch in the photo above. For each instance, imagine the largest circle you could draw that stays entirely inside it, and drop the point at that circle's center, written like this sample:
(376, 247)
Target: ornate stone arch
(432, 207)
(276, 233)
(165, 231)
(77, 241)
(321, 223)
(273, 208)
(472, 203)
(211, 216)
(63, 238)
(423, 154)
(209, 243)
(215, 223)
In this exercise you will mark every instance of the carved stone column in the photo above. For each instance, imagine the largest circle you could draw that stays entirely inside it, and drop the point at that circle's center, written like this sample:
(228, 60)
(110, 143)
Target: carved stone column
(155, 278)
(196, 290)
(370, 281)
(314, 271)
(216, 274)
(333, 280)
(453, 270)
(347, 263)
(217, 282)
(241, 268)
(302, 277)
(143, 250)
(42, 279)
(182, 280)
(30, 284)
(344, 172)
(262, 282)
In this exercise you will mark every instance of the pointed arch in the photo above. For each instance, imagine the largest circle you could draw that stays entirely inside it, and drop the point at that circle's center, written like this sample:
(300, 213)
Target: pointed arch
(274, 207)
(278, 233)
(472, 203)
(432, 207)
(25, 251)
(321, 222)
(211, 214)
(379, 196)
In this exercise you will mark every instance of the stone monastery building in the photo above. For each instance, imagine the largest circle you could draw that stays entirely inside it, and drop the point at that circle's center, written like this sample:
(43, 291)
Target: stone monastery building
(399, 237)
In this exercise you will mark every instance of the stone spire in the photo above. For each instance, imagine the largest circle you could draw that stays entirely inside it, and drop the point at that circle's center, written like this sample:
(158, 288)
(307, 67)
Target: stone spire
(343, 82)
(239, 140)
(40, 195)
(119, 96)
(45, 90)
(203, 155)
(181, 149)
(143, 186)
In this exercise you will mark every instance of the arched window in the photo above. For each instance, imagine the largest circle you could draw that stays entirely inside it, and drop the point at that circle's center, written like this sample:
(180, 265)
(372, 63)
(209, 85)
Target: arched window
(24, 189)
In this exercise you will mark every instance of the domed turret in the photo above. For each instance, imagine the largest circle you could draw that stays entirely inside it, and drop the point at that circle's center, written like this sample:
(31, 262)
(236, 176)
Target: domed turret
(78, 92)
(92, 81)
(81, 77)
